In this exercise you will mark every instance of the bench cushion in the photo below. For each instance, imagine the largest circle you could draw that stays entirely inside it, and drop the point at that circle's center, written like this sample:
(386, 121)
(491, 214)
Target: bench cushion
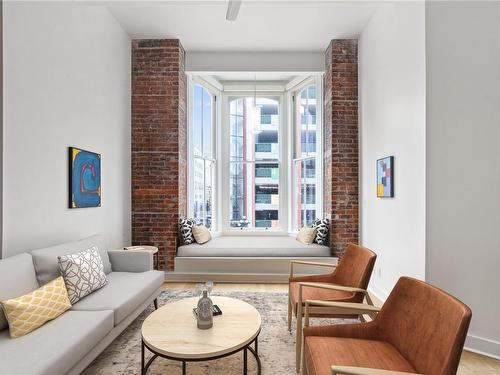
(57, 346)
(124, 292)
(17, 278)
(46, 262)
(253, 246)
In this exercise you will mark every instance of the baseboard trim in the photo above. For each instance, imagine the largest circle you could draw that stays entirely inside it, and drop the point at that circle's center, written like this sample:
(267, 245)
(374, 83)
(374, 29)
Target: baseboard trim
(483, 346)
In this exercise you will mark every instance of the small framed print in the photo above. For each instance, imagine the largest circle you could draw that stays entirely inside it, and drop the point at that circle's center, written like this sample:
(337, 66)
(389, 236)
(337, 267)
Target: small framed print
(385, 177)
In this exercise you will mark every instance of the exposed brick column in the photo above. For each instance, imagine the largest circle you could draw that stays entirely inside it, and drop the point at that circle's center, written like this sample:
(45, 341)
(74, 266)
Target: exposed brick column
(341, 143)
(159, 185)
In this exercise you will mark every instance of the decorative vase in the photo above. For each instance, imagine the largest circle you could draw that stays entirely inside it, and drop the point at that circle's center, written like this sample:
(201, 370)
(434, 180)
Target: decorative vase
(205, 318)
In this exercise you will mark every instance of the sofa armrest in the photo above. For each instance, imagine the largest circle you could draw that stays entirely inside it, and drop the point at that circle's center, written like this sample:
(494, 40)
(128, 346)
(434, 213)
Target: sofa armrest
(131, 260)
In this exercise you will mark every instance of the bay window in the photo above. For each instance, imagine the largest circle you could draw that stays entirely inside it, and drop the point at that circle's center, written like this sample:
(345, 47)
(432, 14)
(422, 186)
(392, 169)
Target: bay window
(202, 156)
(258, 154)
(254, 163)
(305, 156)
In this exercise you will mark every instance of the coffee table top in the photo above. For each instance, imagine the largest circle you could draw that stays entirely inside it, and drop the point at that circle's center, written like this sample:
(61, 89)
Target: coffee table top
(172, 331)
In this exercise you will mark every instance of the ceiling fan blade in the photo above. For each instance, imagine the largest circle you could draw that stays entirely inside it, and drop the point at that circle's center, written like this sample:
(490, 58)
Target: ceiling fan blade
(233, 8)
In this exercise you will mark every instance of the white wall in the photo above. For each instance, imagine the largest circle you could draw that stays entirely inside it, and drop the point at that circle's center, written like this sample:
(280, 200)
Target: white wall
(392, 117)
(67, 83)
(463, 161)
(256, 61)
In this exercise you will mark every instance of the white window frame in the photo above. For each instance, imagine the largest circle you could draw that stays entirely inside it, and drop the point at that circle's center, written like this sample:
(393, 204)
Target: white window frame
(282, 164)
(216, 94)
(220, 137)
(293, 94)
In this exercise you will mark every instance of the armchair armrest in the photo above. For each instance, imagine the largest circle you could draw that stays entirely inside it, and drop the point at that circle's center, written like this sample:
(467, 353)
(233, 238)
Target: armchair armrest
(131, 260)
(307, 263)
(338, 287)
(350, 370)
(340, 308)
(334, 287)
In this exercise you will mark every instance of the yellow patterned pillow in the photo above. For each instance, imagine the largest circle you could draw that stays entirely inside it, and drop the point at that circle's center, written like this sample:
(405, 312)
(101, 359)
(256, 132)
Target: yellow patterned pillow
(28, 312)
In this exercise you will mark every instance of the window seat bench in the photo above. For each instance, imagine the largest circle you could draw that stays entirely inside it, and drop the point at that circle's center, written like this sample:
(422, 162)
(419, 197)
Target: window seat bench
(247, 259)
(253, 246)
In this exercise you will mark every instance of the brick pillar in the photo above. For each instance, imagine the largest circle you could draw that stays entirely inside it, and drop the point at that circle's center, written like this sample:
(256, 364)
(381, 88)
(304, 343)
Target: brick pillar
(341, 143)
(159, 185)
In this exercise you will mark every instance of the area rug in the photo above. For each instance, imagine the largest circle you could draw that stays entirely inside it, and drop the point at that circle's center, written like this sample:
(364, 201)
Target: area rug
(276, 344)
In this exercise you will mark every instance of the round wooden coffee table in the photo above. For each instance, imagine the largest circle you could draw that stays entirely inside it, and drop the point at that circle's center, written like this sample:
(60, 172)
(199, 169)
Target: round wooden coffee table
(171, 332)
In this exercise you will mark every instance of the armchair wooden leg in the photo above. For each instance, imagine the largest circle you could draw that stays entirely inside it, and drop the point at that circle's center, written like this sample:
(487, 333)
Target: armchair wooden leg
(303, 343)
(155, 302)
(298, 340)
(289, 311)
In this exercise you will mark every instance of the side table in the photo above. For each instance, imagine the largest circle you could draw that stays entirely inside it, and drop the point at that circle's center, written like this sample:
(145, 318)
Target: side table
(152, 249)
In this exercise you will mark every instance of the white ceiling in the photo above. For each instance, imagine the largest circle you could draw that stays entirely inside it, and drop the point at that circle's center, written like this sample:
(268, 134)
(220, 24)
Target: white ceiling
(261, 25)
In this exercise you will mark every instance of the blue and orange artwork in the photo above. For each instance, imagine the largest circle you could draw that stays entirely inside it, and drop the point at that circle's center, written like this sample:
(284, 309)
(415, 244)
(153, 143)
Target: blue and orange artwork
(84, 178)
(385, 177)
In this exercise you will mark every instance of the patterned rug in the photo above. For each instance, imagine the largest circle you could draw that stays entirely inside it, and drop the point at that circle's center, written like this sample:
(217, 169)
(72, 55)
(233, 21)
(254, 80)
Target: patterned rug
(276, 344)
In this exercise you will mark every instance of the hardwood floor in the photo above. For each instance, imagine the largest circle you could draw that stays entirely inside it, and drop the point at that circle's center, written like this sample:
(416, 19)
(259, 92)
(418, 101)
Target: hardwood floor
(471, 363)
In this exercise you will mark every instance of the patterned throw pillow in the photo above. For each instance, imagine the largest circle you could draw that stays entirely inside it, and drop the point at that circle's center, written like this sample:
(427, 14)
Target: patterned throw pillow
(83, 273)
(28, 312)
(186, 230)
(322, 227)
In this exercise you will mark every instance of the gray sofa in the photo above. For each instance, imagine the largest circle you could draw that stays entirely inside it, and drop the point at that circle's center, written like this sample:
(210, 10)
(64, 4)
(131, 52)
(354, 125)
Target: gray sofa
(69, 343)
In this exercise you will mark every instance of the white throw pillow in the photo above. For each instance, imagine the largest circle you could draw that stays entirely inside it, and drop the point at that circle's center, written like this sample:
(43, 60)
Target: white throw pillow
(306, 235)
(83, 273)
(201, 234)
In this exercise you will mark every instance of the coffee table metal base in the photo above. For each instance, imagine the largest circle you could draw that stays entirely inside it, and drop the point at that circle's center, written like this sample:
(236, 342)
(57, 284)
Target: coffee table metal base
(245, 349)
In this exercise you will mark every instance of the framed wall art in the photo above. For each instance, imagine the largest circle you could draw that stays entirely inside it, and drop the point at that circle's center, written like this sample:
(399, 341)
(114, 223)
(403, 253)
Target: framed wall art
(385, 177)
(84, 178)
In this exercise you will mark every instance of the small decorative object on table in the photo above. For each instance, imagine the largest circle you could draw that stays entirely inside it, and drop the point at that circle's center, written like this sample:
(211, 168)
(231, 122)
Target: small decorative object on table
(153, 249)
(216, 311)
(205, 318)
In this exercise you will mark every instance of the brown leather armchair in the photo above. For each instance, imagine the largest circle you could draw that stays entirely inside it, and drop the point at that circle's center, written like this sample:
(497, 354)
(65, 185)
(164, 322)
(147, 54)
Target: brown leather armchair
(347, 283)
(419, 330)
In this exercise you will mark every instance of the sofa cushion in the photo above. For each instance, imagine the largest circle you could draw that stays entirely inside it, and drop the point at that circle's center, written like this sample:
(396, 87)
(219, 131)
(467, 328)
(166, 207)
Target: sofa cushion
(124, 292)
(18, 268)
(256, 246)
(323, 352)
(57, 346)
(46, 259)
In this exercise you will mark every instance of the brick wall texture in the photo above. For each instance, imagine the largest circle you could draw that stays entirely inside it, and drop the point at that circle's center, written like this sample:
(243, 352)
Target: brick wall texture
(159, 150)
(341, 143)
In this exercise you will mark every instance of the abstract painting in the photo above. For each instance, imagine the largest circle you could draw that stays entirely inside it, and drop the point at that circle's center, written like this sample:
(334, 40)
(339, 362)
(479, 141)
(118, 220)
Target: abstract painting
(84, 178)
(385, 177)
